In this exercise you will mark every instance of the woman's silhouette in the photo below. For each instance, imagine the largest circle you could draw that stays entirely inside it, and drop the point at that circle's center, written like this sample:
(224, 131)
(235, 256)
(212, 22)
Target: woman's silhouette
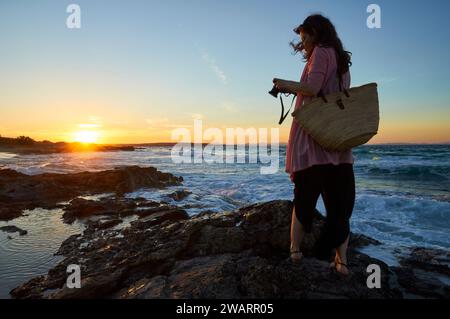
(314, 170)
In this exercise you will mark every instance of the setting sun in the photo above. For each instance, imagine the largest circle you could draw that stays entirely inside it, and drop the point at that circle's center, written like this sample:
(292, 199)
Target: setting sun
(86, 136)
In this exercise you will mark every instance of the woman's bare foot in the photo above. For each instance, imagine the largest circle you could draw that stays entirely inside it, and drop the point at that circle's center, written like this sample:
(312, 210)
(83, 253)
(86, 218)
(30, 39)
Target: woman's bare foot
(296, 238)
(342, 269)
(340, 260)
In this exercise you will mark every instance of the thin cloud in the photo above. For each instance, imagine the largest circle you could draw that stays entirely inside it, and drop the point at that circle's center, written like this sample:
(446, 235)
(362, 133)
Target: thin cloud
(163, 122)
(157, 121)
(178, 125)
(115, 122)
(196, 116)
(93, 122)
(89, 125)
(216, 69)
(95, 119)
(228, 107)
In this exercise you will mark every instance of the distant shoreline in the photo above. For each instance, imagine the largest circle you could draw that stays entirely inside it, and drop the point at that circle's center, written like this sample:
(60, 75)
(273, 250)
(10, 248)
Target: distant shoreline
(24, 145)
(160, 144)
(63, 147)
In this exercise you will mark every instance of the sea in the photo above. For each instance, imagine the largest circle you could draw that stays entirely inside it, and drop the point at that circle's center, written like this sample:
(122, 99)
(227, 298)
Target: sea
(402, 198)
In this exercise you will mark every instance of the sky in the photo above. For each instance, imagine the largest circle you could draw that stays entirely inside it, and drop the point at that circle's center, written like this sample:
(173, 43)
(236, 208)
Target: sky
(137, 70)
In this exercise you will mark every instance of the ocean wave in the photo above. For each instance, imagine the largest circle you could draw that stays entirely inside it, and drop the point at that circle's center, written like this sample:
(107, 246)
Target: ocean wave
(422, 152)
(412, 172)
(4, 155)
(400, 219)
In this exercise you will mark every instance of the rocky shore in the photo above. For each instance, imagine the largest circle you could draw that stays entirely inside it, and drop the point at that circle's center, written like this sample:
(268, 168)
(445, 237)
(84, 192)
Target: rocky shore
(162, 252)
(20, 191)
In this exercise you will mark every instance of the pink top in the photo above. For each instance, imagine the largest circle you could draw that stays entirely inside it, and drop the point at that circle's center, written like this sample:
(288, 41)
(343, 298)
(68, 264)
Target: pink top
(302, 151)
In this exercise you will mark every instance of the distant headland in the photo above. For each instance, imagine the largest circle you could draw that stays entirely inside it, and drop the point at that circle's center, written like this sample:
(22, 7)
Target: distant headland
(27, 145)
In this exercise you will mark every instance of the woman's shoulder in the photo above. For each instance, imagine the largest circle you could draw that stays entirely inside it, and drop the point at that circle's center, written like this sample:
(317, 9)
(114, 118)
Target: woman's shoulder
(325, 47)
(318, 50)
(323, 53)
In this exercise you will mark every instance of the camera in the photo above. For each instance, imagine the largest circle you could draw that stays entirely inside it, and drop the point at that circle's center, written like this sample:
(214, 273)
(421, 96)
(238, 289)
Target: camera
(274, 92)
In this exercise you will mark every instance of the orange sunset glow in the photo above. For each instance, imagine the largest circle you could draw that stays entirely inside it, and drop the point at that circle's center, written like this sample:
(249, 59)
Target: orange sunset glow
(86, 137)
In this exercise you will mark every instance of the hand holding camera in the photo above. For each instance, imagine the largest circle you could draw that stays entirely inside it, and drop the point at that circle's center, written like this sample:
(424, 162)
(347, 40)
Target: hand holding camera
(280, 86)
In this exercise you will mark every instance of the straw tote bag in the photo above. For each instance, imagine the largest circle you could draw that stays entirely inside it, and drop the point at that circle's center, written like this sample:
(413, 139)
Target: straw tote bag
(342, 120)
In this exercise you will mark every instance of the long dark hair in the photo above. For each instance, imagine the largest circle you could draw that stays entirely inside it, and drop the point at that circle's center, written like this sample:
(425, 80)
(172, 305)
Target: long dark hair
(324, 34)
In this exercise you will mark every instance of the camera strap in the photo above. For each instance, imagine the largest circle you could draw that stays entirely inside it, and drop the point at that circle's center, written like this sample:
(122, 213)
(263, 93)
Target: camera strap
(283, 115)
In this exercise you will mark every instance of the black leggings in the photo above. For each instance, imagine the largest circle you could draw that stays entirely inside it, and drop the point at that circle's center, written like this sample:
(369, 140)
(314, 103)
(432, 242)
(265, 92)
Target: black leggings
(336, 184)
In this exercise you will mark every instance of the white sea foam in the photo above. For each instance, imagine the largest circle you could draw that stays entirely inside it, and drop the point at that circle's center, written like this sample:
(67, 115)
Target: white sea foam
(4, 155)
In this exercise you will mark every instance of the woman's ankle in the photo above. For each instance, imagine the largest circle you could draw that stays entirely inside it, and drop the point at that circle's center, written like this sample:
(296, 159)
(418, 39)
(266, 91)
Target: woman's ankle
(294, 247)
(339, 259)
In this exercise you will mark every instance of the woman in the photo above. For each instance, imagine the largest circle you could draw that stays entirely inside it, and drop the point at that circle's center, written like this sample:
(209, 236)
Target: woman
(314, 170)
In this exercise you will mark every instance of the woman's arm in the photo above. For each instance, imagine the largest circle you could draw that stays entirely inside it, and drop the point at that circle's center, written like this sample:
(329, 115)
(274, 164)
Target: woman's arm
(316, 76)
(297, 87)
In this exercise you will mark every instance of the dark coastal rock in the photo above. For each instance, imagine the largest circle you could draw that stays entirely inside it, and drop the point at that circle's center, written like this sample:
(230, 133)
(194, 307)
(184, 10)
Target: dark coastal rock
(425, 273)
(239, 254)
(179, 195)
(113, 207)
(14, 229)
(9, 213)
(360, 240)
(80, 207)
(70, 244)
(429, 259)
(417, 283)
(143, 212)
(245, 275)
(19, 191)
(156, 218)
(103, 224)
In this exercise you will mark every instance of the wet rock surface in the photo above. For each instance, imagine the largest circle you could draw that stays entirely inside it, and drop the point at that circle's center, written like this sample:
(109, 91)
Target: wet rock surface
(19, 191)
(360, 240)
(179, 195)
(238, 254)
(115, 208)
(425, 273)
(13, 229)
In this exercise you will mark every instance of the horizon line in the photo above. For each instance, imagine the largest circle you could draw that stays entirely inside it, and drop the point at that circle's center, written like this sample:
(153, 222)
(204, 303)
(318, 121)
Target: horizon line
(165, 143)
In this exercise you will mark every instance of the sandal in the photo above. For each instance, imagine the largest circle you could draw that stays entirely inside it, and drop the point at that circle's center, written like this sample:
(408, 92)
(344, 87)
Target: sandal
(296, 253)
